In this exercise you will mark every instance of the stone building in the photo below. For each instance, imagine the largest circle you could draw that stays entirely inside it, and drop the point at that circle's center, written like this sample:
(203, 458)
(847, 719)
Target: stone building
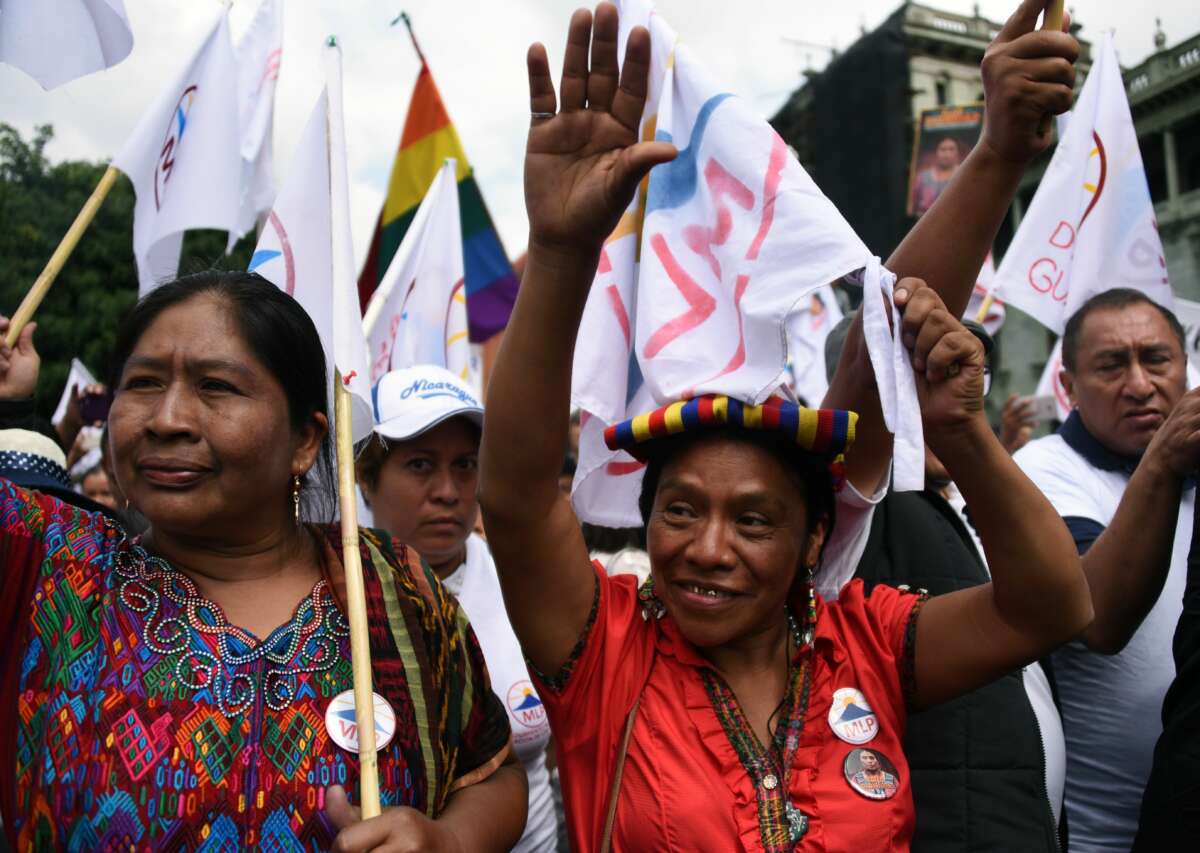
(852, 126)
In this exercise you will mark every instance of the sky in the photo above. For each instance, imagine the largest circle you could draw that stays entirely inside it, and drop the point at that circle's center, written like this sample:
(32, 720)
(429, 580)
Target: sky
(757, 48)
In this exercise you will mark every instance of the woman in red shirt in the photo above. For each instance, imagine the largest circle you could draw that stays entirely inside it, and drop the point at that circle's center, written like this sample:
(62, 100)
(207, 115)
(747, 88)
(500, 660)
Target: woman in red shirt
(724, 705)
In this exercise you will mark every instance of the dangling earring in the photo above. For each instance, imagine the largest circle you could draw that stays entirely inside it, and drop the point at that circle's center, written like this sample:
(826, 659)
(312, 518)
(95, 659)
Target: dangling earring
(651, 604)
(810, 618)
(296, 497)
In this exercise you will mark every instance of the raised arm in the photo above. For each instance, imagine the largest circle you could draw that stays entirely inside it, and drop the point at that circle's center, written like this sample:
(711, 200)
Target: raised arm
(1027, 75)
(1038, 597)
(582, 166)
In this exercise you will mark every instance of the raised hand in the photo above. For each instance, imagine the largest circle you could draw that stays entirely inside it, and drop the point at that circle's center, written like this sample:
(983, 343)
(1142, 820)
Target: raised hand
(1028, 75)
(947, 358)
(583, 162)
(19, 365)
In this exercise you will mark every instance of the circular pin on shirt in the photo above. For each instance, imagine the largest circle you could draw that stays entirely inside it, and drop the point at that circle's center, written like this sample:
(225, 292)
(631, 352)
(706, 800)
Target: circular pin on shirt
(342, 724)
(871, 773)
(851, 718)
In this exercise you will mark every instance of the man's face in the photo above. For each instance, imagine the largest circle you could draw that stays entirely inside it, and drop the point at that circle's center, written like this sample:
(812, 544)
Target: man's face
(1129, 374)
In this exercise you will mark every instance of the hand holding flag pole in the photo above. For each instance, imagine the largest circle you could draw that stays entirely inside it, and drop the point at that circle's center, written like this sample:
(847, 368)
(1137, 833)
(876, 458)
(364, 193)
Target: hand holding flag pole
(1053, 21)
(41, 286)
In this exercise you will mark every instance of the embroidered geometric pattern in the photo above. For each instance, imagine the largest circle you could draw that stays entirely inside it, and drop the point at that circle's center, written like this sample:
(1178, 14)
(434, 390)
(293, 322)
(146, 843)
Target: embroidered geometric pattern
(144, 720)
(780, 824)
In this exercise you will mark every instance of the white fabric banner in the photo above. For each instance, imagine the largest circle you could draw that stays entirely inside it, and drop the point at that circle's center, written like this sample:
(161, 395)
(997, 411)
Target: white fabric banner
(1090, 226)
(79, 377)
(697, 282)
(258, 56)
(184, 160)
(807, 329)
(1049, 385)
(418, 314)
(301, 251)
(994, 318)
(56, 41)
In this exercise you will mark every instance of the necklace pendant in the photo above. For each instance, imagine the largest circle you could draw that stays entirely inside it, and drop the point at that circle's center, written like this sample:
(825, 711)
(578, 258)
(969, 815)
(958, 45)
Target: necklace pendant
(797, 822)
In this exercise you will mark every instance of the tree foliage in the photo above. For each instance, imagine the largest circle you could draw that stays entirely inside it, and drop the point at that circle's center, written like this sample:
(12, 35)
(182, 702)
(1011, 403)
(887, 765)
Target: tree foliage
(79, 317)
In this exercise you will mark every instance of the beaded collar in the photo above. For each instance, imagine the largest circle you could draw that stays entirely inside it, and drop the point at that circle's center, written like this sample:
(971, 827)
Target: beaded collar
(177, 623)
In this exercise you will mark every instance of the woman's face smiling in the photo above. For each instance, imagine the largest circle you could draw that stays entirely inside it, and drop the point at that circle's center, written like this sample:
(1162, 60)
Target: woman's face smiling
(201, 438)
(726, 536)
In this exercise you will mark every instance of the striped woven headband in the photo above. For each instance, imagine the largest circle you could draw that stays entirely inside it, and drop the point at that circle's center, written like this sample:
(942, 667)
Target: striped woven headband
(824, 431)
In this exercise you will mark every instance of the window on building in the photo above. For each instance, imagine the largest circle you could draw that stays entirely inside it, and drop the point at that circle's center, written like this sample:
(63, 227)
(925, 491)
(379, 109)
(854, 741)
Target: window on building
(1187, 153)
(941, 90)
(1154, 161)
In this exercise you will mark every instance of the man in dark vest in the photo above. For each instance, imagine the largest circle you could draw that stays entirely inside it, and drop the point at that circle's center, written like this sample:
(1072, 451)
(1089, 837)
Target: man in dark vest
(987, 768)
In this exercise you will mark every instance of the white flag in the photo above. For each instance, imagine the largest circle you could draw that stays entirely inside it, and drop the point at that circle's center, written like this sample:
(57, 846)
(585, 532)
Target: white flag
(696, 284)
(55, 41)
(986, 281)
(1091, 224)
(183, 158)
(258, 57)
(79, 377)
(418, 314)
(807, 330)
(305, 247)
(1050, 385)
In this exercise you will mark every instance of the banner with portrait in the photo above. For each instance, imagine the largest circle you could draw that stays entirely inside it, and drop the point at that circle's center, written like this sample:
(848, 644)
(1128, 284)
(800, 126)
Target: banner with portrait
(944, 136)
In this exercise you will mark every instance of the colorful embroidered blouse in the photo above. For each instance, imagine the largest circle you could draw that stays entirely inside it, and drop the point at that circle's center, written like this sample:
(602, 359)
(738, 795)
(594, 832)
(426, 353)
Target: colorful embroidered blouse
(693, 779)
(133, 717)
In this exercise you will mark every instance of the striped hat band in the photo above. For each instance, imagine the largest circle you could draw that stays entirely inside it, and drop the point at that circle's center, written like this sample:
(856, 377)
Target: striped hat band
(824, 431)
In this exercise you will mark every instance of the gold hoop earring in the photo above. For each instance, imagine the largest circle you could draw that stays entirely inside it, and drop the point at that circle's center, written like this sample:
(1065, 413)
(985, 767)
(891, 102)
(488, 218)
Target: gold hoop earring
(296, 497)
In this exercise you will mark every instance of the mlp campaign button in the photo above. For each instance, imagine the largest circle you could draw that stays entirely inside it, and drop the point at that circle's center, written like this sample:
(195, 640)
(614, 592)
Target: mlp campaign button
(850, 717)
(342, 725)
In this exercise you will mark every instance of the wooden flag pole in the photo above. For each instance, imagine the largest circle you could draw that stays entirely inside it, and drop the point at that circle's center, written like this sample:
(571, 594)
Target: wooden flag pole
(356, 603)
(53, 266)
(1052, 20)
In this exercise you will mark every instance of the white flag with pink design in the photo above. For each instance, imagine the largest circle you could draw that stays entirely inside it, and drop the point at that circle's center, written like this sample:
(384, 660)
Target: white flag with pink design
(994, 319)
(697, 282)
(184, 158)
(418, 314)
(56, 41)
(1091, 224)
(305, 247)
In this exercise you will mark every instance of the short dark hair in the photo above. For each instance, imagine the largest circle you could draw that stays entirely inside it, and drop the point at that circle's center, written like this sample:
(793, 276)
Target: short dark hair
(282, 337)
(1117, 298)
(809, 471)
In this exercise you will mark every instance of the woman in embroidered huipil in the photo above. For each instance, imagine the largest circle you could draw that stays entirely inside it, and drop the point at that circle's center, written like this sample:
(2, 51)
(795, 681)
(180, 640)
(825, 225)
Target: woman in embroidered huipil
(171, 692)
(746, 696)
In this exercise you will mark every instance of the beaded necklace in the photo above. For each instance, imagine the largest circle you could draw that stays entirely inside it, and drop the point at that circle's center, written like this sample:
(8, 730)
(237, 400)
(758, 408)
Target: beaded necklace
(308, 643)
(781, 825)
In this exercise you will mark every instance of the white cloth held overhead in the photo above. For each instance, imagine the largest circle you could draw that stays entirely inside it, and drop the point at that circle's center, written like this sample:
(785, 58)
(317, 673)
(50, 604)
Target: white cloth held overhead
(697, 282)
(1090, 226)
(418, 315)
(258, 56)
(184, 160)
(305, 247)
(894, 377)
(56, 41)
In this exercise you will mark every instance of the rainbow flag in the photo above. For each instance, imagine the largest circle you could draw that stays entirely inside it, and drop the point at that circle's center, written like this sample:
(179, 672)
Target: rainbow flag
(428, 139)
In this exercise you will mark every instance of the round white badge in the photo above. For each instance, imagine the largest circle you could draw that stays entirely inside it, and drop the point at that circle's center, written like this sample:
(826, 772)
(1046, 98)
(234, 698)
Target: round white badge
(342, 725)
(850, 717)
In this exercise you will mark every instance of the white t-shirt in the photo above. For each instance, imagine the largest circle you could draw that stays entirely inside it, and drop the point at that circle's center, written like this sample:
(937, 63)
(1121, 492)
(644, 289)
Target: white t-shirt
(477, 588)
(1111, 704)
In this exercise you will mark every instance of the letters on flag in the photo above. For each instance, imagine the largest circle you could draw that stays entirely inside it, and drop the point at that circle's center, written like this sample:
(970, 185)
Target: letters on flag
(184, 160)
(258, 57)
(56, 41)
(419, 313)
(305, 244)
(695, 285)
(1091, 224)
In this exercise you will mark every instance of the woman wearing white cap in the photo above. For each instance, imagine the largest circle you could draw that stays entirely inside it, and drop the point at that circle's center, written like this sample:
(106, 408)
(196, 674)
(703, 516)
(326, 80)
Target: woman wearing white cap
(419, 477)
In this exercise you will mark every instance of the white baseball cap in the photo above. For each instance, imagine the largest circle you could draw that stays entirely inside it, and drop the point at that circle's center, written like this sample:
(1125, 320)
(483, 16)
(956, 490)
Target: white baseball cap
(411, 401)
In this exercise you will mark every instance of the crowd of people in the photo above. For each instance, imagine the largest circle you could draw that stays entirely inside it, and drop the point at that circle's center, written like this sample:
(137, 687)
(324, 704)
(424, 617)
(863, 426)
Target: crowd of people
(788, 655)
